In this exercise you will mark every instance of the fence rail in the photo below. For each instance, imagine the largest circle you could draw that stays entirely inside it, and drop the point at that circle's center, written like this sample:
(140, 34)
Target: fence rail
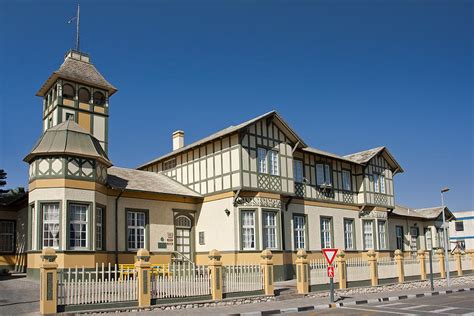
(103, 285)
(357, 269)
(242, 278)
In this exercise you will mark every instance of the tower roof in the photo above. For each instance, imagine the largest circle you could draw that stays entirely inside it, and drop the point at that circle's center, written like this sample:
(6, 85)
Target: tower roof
(77, 67)
(68, 138)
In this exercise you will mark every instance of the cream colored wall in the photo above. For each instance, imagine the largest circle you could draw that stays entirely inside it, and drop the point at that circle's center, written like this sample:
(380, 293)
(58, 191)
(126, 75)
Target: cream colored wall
(219, 229)
(378, 164)
(406, 224)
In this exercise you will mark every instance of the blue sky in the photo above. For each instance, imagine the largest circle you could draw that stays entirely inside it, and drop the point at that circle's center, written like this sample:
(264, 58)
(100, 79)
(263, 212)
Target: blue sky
(346, 75)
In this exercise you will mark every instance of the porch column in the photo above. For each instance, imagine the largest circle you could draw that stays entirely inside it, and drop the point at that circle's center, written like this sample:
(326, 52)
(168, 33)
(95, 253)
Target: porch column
(144, 278)
(399, 259)
(215, 271)
(48, 282)
(267, 268)
(421, 257)
(442, 267)
(302, 282)
(341, 268)
(372, 258)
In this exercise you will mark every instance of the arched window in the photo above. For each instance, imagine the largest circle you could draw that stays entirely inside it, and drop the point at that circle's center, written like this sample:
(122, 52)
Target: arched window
(68, 92)
(99, 98)
(84, 95)
(183, 221)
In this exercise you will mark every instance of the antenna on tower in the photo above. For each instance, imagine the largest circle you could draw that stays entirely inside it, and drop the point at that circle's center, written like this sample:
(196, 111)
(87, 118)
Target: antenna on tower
(78, 21)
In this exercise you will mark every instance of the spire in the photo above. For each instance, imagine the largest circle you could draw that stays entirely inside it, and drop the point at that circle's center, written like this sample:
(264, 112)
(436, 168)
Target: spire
(78, 22)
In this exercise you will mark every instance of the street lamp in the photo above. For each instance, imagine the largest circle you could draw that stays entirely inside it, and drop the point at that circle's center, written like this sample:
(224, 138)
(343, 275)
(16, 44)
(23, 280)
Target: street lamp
(446, 263)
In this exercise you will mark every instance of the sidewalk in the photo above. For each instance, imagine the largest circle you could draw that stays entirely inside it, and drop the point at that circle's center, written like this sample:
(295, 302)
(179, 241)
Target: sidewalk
(298, 304)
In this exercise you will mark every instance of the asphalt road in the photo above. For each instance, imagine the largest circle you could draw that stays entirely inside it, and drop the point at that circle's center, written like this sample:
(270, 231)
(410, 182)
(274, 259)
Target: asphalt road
(18, 295)
(449, 304)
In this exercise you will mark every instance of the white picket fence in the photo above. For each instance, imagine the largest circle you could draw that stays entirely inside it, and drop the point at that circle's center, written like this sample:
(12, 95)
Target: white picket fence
(105, 284)
(181, 280)
(318, 272)
(242, 278)
(357, 269)
(387, 268)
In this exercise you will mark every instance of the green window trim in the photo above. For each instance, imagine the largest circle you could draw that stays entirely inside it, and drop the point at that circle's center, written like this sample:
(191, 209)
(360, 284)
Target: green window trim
(104, 227)
(147, 227)
(354, 235)
(374, 241)
(39, 223)
(90, 226)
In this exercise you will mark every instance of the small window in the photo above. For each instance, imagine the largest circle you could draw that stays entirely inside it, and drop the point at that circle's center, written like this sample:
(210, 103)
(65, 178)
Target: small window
(98, 98)
(299, 230)
(68, 92)
(326, 232)
(69, 116)
(298, 171)
(323, 174)
(7, 236)
(349, 234)
(346, 180)
(169, 164)
(459, 226)
(201, 239)
(84, 95)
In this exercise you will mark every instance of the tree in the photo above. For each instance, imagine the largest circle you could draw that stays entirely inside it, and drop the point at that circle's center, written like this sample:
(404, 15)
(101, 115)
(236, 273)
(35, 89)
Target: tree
(3, 182)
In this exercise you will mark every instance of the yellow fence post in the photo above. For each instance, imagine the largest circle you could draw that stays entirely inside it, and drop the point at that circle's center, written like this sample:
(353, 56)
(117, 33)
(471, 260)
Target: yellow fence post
(457, 256)
(421, 257)
(442, 267)
(471, 253)
(302, 282)
(341, 268)
(401, 271)
(144, 278)
(372, 258)
(48, 282)
(267, 268)
(215, 271)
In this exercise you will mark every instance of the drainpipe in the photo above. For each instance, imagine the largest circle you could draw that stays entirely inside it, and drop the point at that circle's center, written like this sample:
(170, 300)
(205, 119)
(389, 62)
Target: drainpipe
(283, 223)
(116, 225)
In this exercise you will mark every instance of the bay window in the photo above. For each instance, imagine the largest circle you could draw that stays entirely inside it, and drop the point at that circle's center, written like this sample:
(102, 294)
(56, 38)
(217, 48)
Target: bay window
(50, 213)
(382, 183)
(247, 222)
(78, 225)
(376, 182)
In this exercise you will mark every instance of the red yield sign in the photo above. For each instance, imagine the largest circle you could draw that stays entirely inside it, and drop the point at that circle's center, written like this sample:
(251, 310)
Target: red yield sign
(330, 271)
(330, 254)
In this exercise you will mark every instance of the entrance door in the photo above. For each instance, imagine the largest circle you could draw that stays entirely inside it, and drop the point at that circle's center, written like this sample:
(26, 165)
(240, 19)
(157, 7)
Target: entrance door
(183, 236)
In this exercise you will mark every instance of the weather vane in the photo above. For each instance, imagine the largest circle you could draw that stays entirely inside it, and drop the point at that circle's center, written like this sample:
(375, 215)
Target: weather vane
(78, 19)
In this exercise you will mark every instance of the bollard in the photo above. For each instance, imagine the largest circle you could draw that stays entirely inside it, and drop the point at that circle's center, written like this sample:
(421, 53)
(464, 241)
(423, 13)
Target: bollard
(215, 271)
(341, 269)
(372, 258)
(421, 257)
(457, 256)
(442, 267)
(48, 282)
(302, 284)
(267, 268)
(142, 266)
(401, 271)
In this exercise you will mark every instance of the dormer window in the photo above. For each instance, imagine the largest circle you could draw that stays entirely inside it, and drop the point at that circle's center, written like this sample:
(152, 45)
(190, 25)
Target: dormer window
(323, 175)
(98, 98)
(68, 92)
(267, 161)
(169, 164)
(379, 183)
(84, 95)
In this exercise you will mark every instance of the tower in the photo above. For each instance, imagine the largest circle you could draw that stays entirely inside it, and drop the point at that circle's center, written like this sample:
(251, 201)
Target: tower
(77, 91)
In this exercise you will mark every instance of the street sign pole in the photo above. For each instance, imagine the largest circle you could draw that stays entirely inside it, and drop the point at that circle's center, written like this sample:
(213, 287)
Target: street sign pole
(431, 270)
(331, 288)
(330, 255)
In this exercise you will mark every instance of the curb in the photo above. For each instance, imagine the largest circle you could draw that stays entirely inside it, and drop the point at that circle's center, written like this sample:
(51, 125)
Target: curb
(352, 303)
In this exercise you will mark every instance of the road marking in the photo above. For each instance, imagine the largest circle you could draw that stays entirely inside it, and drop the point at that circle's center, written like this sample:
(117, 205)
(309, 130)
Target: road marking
(413, 307)
(392, 304)
(378, 310)
(444, 309)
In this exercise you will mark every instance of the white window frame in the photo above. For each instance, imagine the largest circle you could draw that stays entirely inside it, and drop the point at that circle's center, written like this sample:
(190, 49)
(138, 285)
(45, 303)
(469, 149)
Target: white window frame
(299, 231)
(270, 229)
(274, 162)
(7, 236)
(323, 174)
(99, 228)
(349, 243)
(366, 234)
(382, 234)
(382, 183)
(326, 232)
(134, 215)
(376, 182)
(52, 242)
(84, 223)
(248, 230)
(262, 164)
(346, 180)
(298, 170)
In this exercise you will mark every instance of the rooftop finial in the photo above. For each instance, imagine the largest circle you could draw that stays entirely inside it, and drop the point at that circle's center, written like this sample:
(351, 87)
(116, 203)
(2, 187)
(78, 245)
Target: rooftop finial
(78, 20)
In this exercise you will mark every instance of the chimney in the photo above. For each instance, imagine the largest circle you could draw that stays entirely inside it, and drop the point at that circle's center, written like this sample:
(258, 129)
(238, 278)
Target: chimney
(178, 140)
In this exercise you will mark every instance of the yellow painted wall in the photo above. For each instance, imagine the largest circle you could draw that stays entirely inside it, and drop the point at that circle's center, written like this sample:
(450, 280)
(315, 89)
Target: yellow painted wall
(84, 121)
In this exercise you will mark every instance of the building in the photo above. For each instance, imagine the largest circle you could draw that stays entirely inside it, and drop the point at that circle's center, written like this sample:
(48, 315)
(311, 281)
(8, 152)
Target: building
(249, 187)
(461, 231)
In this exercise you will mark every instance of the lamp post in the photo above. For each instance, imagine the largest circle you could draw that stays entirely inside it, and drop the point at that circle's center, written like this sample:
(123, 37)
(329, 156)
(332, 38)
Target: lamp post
(446, 262)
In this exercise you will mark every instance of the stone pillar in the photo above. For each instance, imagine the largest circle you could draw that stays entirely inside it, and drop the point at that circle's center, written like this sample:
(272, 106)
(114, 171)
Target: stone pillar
(302, 272)
(48, 282)
(457, 256)
(341, 269)
(267, 268)
(215, 271)
(470, 252)
(400, 270)
(144, 278)
(442, 268)
(421, 257)
(372, 258)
